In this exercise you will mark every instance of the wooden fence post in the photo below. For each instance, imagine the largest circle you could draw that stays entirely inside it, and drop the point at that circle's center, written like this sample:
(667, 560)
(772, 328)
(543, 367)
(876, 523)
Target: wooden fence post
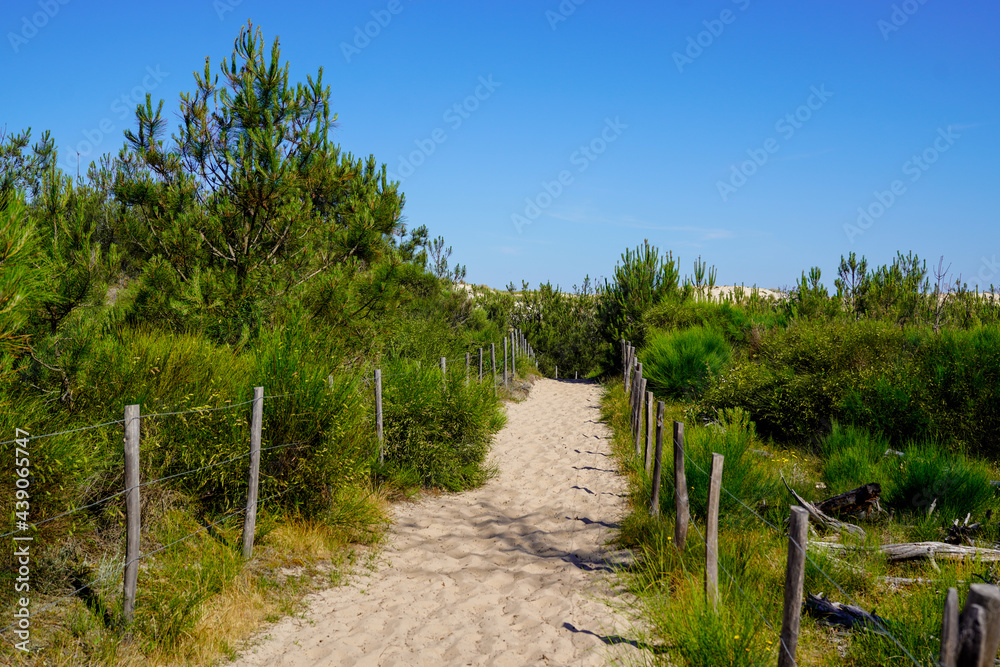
(640, 416)
(480, 364)
(624, 362)
(712, 532)
(682, 507)
(794, 576)
(628, 368)
(444, 372)
(506, 379)
(654, 497)
(493, 362)
(378, 415)
(557, 372)
(131, 510)
(576, 375)
(468, 360)
(979, 626)
(650, 432)
(513, 348)
(250, 516)
(949, 630)
(637, 397)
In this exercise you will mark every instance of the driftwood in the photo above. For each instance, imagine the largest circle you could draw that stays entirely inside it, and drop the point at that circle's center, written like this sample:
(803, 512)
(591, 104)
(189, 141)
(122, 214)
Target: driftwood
(921, 550)
(822, 519)
(845, 615)
(860, 500)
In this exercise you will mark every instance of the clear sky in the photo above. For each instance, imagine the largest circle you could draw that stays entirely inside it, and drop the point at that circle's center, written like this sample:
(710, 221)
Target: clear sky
(543, 138)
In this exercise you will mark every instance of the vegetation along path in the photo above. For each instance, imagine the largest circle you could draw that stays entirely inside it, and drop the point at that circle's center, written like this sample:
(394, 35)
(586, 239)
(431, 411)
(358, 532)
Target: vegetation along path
(512, 573)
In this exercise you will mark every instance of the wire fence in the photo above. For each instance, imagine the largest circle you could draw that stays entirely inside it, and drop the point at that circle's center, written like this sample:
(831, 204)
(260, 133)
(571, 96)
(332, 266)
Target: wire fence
(521, 349)
(632, 385)
(880, 626)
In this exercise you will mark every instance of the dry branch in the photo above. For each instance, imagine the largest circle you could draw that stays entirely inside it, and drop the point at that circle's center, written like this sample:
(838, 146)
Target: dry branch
(822, 519)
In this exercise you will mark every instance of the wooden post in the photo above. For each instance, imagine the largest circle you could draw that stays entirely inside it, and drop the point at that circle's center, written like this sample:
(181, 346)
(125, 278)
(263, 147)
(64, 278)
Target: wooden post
(637, 398)
(794, 576)
(513, 369)
(131, 510)
(557, 371)
(378, 415)
(480, 364)
(979, 639)
(654, 497)
(712, 532)
(650, 432)
(444, 372)
(506, 380)
(973, 636)
(468, 359)
(682, 508)
(250, 516)
(949, 630)
(493, 363)
(640, 422)
(576, 375)
(628, 368)
(624, 362)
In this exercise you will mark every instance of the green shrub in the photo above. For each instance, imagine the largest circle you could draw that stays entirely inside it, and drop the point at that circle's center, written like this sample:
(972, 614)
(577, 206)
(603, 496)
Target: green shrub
(745, 474)
(443, 434)
(853, 457)
(680, 364)
(734, 321)
(927, 473)
(794, 380)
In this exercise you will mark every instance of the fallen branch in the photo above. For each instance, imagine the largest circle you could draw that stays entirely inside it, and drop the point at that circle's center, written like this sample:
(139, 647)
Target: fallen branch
(822, 519)
(920, 551)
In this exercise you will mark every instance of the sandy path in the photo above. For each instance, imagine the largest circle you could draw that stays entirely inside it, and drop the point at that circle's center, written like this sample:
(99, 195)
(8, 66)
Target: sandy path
(508, 574)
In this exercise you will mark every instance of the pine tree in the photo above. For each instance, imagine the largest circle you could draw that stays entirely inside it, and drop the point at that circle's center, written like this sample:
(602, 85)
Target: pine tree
(252, 192)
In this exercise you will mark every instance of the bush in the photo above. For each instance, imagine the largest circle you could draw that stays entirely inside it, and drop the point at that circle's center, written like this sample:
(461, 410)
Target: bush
(734, 321)
(794, 381)
(745, 475)
(441, 436)
(927, 472)
(680, 364)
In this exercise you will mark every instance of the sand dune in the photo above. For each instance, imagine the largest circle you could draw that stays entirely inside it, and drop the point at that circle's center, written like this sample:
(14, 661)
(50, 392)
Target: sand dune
(512, 573)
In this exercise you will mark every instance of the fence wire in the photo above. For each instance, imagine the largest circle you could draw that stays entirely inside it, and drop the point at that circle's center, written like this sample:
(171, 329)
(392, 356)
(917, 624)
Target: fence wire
(840, 589)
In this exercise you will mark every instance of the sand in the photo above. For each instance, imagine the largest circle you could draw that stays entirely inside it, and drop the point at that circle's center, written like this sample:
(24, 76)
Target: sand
(514, 573)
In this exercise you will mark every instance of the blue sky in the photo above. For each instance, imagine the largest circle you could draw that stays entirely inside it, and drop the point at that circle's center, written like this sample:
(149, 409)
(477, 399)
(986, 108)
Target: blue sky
(543, 138)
